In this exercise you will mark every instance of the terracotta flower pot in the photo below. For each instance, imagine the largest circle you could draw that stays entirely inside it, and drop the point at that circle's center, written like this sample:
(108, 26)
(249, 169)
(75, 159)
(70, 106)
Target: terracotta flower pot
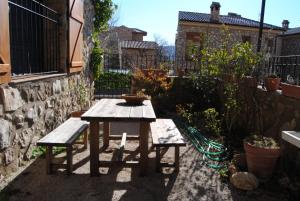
(78, 113)
(250, 81)
(272, 84)
(261, 161)
(290, 90)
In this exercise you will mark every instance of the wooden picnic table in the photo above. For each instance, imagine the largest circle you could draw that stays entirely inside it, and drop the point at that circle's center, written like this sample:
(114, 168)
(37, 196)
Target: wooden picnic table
(114, 110)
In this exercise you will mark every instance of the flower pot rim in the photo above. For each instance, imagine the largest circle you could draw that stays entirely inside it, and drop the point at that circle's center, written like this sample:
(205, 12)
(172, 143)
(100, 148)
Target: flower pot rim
(268, 148)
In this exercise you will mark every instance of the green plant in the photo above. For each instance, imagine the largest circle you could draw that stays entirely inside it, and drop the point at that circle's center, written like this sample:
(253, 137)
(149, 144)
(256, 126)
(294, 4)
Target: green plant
(83, 94)
(41, 151)
(232, 106)
(104, 10)
(272, 75)
(262, 141)
(113, 80)
(96, 59)
(212, 124)
(224, 173)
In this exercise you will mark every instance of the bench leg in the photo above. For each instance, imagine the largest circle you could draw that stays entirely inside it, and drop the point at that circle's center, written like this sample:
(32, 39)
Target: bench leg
(85, 139)
(49, 156)
(157, 159)
(106, 132)
(69, 159)
(176, 158)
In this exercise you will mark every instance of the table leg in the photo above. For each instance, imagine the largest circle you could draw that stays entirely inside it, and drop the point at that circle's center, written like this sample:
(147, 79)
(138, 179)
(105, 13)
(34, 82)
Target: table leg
(144, 133)
(94, 148)
(106, 132)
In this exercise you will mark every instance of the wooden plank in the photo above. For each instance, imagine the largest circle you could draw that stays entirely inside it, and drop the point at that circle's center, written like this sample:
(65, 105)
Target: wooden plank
(121, 148)
(49, 157)
(66, 133)
(75, 35)
(106, 132)
(157, 159)
(119, 163)
(164, 132)
(148, 112)
(144, 131)
(176, 158)
(129, 137)
(94, 148)
(116, 110)
(292, 137)
(69, 159)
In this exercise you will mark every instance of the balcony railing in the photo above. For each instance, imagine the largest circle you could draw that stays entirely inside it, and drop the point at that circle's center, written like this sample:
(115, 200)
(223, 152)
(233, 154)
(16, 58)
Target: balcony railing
(285, 67)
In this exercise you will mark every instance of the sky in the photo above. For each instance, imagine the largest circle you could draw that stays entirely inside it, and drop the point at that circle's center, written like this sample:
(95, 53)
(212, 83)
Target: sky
(160, 17)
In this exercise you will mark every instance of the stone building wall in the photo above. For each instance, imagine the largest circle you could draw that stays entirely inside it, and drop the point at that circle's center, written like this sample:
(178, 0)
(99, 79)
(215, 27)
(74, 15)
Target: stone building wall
(290, 45)
(31, 109)
(214, 36)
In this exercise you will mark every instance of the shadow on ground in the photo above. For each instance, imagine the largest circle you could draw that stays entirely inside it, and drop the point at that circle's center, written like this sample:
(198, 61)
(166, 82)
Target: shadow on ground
(194, 181)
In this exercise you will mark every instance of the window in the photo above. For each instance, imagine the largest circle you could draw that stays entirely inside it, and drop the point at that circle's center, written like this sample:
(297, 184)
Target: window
(269, 44)
(246, 39)
(35, 38)
(34, 42)
(194, 44)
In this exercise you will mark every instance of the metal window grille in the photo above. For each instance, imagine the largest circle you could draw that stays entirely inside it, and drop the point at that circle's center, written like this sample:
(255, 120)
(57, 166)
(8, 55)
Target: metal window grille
(34, 42)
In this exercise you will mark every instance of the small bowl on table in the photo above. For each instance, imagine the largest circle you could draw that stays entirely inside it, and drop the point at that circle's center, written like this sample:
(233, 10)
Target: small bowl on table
(133, 99)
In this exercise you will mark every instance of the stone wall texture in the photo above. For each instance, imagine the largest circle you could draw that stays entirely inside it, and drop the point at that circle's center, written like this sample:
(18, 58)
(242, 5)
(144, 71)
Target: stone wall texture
(290, 45)
(215, 37)
(30, 110)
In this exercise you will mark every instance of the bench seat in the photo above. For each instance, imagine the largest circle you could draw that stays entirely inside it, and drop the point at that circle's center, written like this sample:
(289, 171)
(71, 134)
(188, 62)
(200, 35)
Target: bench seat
(165, 134)
(65, 135)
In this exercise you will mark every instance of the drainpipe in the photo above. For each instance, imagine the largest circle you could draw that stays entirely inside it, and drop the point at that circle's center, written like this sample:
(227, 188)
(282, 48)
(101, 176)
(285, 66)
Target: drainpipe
(261, 25)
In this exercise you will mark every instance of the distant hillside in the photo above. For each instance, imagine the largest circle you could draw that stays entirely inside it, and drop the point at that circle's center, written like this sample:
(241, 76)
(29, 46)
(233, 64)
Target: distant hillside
(170, 50)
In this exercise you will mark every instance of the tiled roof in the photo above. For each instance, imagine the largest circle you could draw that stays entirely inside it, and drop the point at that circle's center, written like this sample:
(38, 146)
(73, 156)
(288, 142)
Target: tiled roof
(292, 31)
(138, 44)
(232, 19)
(138, 30)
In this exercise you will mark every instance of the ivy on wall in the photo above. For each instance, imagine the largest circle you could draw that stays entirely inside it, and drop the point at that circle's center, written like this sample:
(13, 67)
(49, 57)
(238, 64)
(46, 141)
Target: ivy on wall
(104, 10)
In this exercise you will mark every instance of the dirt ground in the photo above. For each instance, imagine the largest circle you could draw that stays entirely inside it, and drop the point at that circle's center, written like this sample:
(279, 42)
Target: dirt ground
(194, 181)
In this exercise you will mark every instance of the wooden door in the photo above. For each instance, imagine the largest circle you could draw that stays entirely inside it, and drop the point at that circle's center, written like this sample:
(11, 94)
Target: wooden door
(75, 35)
(5, 67)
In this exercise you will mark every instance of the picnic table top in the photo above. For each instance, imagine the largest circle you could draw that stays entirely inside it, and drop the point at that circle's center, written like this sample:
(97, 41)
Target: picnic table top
(118, 110)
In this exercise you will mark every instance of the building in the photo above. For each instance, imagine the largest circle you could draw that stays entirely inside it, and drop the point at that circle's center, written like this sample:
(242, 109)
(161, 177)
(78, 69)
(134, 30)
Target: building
(193, 28)
(44, 59)
(288, 43)
(125, 47)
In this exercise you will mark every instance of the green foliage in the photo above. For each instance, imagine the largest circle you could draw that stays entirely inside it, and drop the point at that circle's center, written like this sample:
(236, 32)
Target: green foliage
(96, 59)
(104, 10)
(262, 142)
(232, 105)
(244, 59)
(113, 80)
(212, 124)
(224, 173)
(185, 111)
(41, 151)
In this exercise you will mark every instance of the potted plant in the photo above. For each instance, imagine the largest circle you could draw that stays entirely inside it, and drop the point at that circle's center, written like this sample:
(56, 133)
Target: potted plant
(261, 155)
(290, 89)
(272, 82)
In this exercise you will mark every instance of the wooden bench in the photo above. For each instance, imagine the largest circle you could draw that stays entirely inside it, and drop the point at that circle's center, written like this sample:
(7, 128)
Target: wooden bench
(165, 134)
(64, 136)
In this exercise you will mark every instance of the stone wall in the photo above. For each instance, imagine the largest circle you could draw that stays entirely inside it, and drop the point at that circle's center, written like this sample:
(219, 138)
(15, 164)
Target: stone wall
(32, 108)
(272, 112)
(290, 45)
(215, 37)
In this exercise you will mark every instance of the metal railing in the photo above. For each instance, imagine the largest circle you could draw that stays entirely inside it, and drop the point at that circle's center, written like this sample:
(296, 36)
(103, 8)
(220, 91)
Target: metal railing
(285, 67)
(34, 39)
(132, 61)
